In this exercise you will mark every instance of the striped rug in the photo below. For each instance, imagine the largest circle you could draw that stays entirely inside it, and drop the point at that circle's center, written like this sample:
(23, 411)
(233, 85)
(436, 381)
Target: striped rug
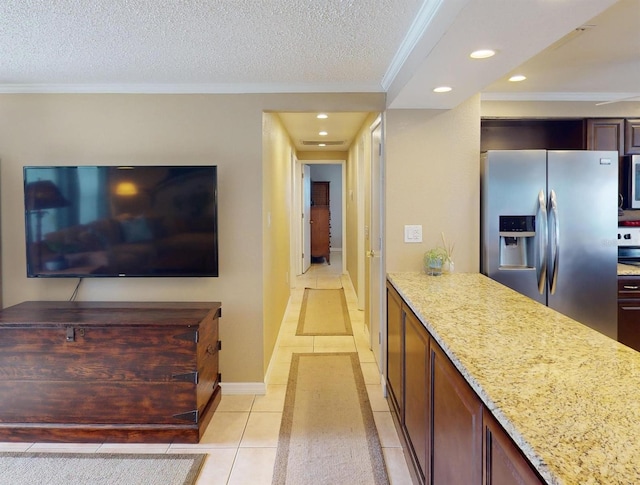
(327, 434)
(324, 312)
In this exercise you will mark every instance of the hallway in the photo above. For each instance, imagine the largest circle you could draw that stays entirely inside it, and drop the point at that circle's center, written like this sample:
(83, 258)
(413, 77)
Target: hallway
(243, 445)
(242, 438)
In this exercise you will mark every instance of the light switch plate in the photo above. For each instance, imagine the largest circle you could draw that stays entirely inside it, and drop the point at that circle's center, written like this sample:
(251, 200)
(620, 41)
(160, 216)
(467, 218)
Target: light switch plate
(413, 234)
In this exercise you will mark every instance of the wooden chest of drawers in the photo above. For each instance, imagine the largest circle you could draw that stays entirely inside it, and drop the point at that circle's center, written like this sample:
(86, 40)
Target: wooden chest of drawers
(108, 371)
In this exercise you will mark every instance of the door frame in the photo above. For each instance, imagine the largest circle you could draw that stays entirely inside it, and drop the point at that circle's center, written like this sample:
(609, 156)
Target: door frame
(298, 208)
(376, 287)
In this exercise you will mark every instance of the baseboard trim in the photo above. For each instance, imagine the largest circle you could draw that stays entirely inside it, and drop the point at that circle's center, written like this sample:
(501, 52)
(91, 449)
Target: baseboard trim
(237, 388)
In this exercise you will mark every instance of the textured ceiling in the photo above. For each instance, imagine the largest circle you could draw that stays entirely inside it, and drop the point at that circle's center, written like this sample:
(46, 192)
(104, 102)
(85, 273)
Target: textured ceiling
(403, 48)
(283, 45)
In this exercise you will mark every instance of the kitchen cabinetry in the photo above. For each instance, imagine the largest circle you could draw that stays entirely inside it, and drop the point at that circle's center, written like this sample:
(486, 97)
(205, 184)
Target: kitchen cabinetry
(605, 134)
(503, 462)
(629, 311)
(530, 134)
(417, 385)
(457, 424)
(632, 137)
(108, 371)
(447, 434)
(395, 351)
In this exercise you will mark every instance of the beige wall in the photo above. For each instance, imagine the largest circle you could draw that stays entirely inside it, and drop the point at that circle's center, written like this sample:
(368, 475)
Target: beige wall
(276, 212)
(433, 179)
(226, 130)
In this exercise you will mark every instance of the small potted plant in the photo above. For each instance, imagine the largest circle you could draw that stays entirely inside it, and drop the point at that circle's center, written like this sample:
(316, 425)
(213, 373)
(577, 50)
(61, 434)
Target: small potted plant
(433, 261)
(448, 248)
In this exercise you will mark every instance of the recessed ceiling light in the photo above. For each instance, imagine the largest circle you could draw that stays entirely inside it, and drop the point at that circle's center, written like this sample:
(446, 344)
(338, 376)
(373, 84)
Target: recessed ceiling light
(482, 54)
(322, 144)
(517, 78)
(322, 116)
(442, 89)
(323, 133)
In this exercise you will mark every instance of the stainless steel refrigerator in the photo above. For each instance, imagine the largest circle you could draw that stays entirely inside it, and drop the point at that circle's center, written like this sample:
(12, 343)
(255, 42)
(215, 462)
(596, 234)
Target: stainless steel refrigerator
(549, 223)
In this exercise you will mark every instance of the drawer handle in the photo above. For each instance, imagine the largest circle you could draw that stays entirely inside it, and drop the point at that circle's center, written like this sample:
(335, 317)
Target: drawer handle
(210, 349)
(626, 287)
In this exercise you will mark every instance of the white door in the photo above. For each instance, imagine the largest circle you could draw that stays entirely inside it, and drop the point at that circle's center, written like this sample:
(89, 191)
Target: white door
(306, 218)
(376, 272)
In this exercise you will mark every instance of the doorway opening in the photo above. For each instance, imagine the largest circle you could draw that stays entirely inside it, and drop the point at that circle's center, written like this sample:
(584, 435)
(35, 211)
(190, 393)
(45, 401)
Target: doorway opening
(322, 227)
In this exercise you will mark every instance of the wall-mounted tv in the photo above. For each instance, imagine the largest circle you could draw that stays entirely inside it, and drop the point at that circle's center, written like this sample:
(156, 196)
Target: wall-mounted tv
(104, 221)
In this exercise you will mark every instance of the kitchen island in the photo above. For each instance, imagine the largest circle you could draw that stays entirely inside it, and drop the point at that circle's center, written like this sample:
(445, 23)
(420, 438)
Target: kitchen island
(568, 396)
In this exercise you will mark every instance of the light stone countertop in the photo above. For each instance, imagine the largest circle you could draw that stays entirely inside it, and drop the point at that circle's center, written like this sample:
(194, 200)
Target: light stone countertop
(567, 395)
(628, 270)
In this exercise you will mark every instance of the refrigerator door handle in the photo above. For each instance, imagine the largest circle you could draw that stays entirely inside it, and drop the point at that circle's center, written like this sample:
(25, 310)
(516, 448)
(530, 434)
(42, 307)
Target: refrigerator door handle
(554, 244)
(541, 238)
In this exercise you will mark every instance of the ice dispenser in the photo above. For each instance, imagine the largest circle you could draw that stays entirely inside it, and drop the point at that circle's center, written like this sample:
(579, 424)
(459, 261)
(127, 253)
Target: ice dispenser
(517, 235)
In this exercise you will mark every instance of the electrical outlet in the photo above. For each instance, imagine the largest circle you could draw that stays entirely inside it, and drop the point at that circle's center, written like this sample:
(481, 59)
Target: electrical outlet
(413, 234)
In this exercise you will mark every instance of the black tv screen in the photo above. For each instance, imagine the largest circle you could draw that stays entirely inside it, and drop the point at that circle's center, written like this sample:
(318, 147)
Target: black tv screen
(103, 221)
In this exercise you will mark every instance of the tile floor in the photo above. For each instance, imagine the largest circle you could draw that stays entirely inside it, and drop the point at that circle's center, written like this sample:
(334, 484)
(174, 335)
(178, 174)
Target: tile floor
(242, 439)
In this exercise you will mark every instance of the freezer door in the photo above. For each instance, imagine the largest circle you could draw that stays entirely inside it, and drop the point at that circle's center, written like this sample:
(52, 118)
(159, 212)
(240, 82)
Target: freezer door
(583, 223)
(511, 182)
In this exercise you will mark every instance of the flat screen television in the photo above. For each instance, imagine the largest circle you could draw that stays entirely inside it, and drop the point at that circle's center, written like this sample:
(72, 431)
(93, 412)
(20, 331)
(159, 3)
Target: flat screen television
(104, 221)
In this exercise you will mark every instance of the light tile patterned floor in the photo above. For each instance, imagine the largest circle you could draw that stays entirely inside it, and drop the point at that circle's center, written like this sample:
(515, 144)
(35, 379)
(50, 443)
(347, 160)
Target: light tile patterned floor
(242, 438)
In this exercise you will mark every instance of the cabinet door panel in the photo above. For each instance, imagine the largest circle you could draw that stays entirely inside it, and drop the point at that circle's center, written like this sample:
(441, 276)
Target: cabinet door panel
(457, 425)
(395, 332)
(417, 384)
(629, 323)
(632, 137)
(504, 464)
(605, 134)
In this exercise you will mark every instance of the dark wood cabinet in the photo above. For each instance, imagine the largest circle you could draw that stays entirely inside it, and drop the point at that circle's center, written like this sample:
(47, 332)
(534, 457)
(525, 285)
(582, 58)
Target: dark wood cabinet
(395, 352)
(110, 371)
(608, 134)
(629, 311)
(504, 464)
(447, 434)
(532, 134)
(320, 193)
(605, 134)
(321, 232)
(417, 392)
(457, 424)
(320, 221)
(632, 136)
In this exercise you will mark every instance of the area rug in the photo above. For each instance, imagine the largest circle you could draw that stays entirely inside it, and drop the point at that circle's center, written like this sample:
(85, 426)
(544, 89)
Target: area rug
(324, 312)
(327, 434)
(99, 469)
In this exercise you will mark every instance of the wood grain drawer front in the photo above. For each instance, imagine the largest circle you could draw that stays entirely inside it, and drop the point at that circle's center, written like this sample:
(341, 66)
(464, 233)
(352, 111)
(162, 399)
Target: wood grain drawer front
(629, 323)
(628, 287)
(106, 403)
(97, 353)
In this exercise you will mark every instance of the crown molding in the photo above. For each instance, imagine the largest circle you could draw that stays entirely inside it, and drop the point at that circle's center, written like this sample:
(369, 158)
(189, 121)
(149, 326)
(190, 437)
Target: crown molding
(185, 88)
(418, 27)
(561, 96)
